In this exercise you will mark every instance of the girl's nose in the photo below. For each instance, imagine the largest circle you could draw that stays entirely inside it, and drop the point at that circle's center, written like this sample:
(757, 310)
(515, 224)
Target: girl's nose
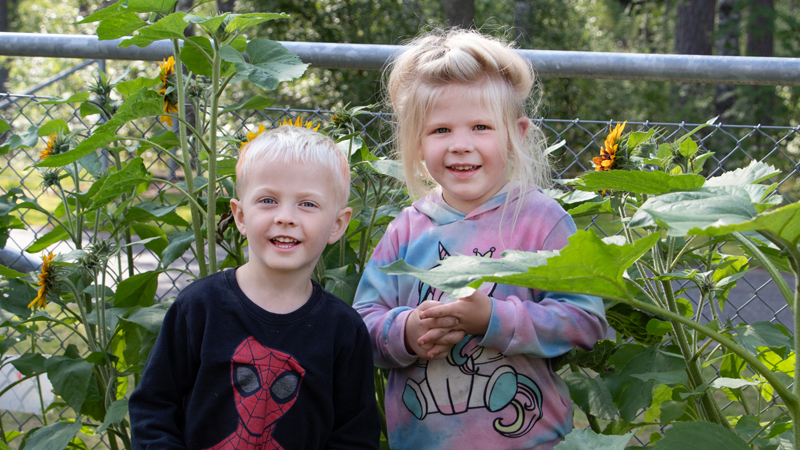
(461, 144)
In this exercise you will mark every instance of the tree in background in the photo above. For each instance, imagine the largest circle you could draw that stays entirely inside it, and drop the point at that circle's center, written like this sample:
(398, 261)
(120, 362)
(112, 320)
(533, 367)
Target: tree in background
(459, 13)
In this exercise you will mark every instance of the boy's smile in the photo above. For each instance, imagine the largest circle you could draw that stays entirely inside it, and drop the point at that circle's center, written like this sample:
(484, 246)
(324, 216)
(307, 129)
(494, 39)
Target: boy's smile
(289, 213)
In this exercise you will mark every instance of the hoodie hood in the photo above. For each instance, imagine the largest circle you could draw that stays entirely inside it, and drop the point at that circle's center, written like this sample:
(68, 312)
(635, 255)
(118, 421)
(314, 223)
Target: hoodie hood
(440, 213)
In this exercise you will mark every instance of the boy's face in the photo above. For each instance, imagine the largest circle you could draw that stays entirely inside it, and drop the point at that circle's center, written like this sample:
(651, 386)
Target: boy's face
(289, 213)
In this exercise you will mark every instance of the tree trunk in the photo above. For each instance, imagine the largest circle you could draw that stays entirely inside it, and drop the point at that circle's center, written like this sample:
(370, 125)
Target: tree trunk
(694, 27)
(459, 13)
(760, 42)
(225, 6)
(727, 45)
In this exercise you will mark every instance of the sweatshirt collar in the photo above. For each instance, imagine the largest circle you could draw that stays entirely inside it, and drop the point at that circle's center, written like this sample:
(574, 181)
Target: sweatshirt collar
(440, 213)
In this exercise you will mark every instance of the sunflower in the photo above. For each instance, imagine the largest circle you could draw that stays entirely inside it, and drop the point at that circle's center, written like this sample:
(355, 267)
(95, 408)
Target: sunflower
(48, 151)
(252, 135)
(608, 154)
(298, 122)
(170, 100)
(46, 281)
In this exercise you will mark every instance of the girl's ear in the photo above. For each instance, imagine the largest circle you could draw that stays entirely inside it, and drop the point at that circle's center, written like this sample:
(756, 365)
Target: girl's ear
(523, 123)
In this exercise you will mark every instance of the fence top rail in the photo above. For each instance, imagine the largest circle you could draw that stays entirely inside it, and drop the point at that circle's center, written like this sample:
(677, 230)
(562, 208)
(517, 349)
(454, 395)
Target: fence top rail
(548, 63)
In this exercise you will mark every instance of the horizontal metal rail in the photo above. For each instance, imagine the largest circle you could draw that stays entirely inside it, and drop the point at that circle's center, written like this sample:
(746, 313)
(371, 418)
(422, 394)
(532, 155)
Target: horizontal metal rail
(548, 63)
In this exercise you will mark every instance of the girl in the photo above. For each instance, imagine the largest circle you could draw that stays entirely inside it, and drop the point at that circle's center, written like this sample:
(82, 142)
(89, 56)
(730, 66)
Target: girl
(471, 373)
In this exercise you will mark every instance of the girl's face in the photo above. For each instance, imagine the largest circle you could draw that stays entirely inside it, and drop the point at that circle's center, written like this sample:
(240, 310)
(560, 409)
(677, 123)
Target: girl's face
(460, 147)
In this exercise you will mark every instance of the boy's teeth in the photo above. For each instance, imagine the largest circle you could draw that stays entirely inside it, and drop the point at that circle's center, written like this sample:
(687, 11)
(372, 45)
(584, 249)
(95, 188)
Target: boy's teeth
(285, 239)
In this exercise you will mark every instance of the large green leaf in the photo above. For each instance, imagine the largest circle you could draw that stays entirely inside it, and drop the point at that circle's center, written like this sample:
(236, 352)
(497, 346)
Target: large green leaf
(118, 183)
(763, 334)
(783, 222)
(126, 6)
(270, 63)
(30, 364)
(70, 378)
(5, 272)
(194, 59)
(178, 244)
(119, 26)
(151, 231)
(128, 88)
(56, 126)
(57, 234)
(4, 126)
(587, 265)
(16, 295)
(138, 290)
(74, 98)
(115, 414)
(149, 318)
(651, 183)
(591, 395)
(145, 212)
(241, 22)
(170, 27)
(143, 103)
(756, 172)
(23, 140)
(704, 435)
(680, 212)
(53, 437)
(589, 440)
(388, 167)
(254, 103)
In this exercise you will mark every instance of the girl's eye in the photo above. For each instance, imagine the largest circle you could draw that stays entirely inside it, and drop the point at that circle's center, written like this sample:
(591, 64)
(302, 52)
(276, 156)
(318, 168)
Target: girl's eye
(441, 130)
(481, 127)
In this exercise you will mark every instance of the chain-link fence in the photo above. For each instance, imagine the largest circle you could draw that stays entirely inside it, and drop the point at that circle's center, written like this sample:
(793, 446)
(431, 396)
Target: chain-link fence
(754, 299)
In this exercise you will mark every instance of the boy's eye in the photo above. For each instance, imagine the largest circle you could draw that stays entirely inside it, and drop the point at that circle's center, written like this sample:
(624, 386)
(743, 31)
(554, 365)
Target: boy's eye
(267, 200)
(308, 204)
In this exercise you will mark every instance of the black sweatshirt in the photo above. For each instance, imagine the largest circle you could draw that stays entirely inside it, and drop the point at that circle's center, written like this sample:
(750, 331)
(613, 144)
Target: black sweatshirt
(225, 373)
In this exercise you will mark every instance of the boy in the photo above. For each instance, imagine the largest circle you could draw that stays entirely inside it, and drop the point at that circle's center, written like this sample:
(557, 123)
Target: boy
(261, 356)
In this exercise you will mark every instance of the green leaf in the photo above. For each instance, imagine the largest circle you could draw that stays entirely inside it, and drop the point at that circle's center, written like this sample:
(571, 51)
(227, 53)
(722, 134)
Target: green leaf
(756, 172)
(149, 231)
(705, 435)
(115, 414)
(53, 437)
(672, 410)
(119, 26)
(388, 167)
(242, 22)
(150, 318)
(138, 290)
(783, 222)
(30, 364)
(56, 126)
(591, 395)
(4, 126)
(169, 27)
(164, 138)
(637, 137)
(125, 6)
(57, 234)
(590, 208)
(179, 243)
(681, 212)
(91, 162)
(255, 103)
(74, 98)
(89, 109)
(70, 378)
(651, 183)
(270, 63)
(128, 88)
(579, 439)
(688, 148)
(731, 383)
(6, 272)
(24, 140)
(16, 295)
(668, 378)
(587, 265)
(762, 334)
(145, 212)
(194, 59)
(117, 183)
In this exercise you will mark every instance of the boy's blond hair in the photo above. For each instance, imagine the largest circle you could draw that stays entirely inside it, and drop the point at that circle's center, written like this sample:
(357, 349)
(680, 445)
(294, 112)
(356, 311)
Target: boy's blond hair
(292, 144)
(485, 66)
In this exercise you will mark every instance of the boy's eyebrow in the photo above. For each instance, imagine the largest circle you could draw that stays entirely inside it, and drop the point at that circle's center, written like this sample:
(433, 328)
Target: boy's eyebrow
(306, 193)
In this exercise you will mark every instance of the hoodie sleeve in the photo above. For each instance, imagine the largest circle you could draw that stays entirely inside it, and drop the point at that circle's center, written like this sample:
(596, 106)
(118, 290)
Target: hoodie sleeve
(552, 324)
(377, 301)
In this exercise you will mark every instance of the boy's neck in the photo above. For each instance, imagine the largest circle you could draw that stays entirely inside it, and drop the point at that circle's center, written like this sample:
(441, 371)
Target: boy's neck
(276, 294)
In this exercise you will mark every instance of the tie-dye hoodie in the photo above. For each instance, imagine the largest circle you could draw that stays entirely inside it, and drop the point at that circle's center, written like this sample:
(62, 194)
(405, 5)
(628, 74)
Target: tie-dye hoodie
(495, 391)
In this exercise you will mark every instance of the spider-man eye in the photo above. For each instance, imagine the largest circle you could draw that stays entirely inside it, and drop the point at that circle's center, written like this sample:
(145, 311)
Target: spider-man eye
(247, 380)
(285, 387)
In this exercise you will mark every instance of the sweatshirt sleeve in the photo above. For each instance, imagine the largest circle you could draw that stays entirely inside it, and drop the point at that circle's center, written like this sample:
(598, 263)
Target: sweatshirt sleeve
(356, 424)
(377, 301)
(552, 324)
(156, 406)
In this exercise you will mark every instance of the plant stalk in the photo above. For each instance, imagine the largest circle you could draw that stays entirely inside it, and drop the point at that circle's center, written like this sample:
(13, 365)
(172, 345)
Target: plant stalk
(197, 223)
(211, 212)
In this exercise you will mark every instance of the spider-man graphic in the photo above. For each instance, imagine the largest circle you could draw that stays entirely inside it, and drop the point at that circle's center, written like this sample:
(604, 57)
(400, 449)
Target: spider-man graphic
(265, 385)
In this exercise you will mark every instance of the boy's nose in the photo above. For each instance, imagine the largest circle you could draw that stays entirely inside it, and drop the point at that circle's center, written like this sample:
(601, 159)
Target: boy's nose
(285, 216)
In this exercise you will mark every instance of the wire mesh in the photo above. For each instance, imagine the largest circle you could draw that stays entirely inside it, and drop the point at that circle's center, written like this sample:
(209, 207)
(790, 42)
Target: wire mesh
(754, 299)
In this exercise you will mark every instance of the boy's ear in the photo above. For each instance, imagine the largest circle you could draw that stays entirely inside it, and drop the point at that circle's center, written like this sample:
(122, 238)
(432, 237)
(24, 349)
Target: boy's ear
(238, 216)
(523, 123)
(340, 226)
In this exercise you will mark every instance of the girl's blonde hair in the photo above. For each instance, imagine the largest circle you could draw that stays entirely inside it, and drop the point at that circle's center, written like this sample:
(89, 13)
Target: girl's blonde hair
(503, 81)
